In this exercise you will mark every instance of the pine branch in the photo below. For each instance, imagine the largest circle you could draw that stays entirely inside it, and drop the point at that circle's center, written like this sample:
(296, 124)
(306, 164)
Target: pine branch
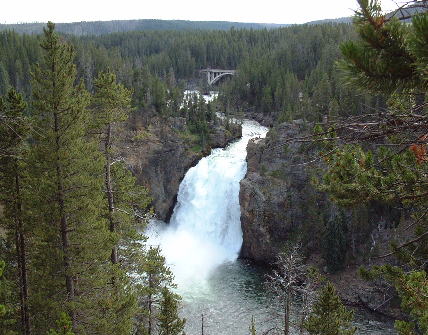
(420, 237)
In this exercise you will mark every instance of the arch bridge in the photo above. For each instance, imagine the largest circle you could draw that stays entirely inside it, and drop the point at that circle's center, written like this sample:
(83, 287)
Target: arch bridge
(214, 75)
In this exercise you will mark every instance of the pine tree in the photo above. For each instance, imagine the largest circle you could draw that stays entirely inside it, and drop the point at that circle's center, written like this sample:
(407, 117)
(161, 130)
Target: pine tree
(71, 241)
(329, 316)
(111, 105)
(155, 277)
(158, 91)
(7, 313)
(335, 242)
(389, 57)
(63, 326)
(412, 288)
(131, 203)
(169, 322)
(13, 174)
(4, 80)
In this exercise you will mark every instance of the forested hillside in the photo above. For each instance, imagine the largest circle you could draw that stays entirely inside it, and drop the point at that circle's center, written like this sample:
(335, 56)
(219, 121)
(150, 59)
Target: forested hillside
(108, 27)
(284, 73)
(297, 79)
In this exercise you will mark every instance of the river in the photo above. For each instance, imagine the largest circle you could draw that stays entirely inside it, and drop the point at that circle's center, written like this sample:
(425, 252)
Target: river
(201, 245)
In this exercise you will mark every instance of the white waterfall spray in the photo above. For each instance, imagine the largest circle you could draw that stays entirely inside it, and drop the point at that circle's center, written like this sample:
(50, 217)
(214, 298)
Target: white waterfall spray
(205, 229)
(202, 242)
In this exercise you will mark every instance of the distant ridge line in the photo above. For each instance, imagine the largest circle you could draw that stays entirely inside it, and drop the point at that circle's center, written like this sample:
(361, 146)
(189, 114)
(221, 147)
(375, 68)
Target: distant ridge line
(87, 28)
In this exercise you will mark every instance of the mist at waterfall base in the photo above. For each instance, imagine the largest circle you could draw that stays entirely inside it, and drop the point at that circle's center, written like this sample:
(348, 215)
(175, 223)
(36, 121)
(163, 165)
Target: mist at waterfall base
(202, 242)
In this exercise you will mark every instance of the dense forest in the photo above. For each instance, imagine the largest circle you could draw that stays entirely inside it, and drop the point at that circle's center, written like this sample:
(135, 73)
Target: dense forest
(73, 258)
(108, 27)
(73, 248)
(286, 73)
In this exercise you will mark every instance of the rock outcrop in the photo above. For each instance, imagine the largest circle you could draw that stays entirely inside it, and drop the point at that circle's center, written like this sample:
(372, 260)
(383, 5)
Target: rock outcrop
(279, 203)
(280, 206)
(276, 195)
(159, 152)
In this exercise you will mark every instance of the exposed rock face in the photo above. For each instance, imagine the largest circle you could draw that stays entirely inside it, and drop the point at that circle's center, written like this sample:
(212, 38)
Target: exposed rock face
(280, 205)
(276, 196)
(264, 119)
(159, 154)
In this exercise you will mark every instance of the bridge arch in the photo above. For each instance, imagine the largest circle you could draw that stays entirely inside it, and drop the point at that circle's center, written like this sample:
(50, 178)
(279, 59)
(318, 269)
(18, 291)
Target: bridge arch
(214, 75)
(216, 79)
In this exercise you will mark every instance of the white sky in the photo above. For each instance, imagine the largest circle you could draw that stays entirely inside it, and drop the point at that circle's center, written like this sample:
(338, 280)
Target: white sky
(266, 11)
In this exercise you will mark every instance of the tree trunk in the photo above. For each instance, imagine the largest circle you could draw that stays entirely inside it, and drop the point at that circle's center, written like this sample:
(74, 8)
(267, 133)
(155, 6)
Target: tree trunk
(287, 313)
(305, 307)
(64, 229)
(150, 302)
(21, 256)
(107, 180)
(149, 330)
(202, 327)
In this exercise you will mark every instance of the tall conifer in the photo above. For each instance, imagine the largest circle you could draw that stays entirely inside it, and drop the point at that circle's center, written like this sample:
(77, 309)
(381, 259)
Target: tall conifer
(169, 322)
(13, 174)
(72, 241)
(155, 277)
(112, 104)
(122, 199)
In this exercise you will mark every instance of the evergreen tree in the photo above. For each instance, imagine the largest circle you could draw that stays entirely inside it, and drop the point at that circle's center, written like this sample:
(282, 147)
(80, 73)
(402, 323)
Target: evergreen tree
(412, 288)
(4, 80)
(13, 179)
(159, 95)
(71, 241)
(169, 322)
(329, 316)
(63, 326)
(389, 57)
(155, 277)
(131, 216)
(335, 242)
(7, 313)
(111, 105)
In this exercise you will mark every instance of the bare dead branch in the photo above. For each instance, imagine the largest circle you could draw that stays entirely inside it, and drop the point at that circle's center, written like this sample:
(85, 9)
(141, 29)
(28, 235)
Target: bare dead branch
(420, 237)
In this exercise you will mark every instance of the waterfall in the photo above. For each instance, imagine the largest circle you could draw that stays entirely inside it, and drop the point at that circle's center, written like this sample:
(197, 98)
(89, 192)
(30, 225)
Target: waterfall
(205, 229)
(202, 241)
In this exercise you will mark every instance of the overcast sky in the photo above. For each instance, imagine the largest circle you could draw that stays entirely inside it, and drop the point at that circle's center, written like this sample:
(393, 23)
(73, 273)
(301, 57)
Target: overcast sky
(266, 11)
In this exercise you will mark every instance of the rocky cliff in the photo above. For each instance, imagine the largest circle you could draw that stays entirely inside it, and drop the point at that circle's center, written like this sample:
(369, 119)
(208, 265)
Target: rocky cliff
(280, 206)
(276, 197)
(160, 151)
